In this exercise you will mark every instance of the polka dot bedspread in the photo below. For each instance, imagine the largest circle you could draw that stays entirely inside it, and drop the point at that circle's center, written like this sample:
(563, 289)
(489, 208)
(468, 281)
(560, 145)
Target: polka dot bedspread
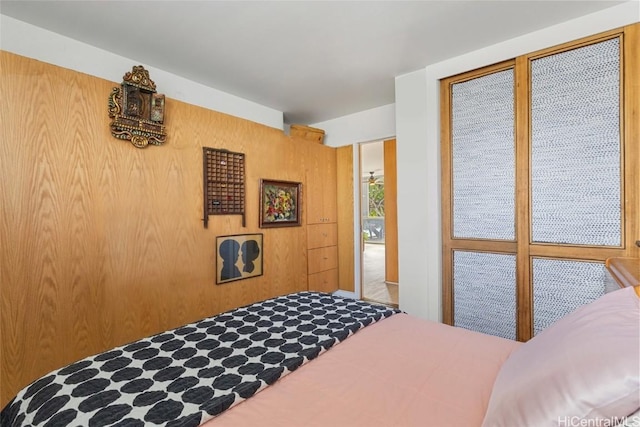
(188, 375)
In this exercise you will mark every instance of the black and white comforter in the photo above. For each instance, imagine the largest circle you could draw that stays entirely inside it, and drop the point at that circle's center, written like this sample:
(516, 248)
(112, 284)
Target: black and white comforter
(188, 375)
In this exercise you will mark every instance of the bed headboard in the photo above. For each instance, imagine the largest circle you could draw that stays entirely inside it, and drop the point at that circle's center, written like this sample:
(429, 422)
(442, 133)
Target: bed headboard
(625, 272)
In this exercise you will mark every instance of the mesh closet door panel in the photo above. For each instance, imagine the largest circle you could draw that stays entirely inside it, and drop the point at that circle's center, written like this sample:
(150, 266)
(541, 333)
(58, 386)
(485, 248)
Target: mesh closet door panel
(575, 146)
(484, 292)
(483, 157)
(561, 286)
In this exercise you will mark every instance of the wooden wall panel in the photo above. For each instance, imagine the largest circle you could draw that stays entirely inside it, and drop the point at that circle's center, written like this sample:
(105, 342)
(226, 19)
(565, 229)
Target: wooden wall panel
(102, 243)
(390, 212)
(631, 129)
(345, 218)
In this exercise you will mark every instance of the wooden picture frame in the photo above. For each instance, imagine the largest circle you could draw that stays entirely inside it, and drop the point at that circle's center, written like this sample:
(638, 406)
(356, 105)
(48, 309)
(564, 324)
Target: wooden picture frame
(238, 257)
(279, 203)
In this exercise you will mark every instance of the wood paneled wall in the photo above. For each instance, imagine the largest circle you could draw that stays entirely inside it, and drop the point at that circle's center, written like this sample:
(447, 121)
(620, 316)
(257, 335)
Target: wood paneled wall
(102, 243)
(390, 212)
(344, 192)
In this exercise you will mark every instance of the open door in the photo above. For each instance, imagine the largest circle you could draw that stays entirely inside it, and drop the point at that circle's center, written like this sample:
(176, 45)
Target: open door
(391, 212)
(379, 229)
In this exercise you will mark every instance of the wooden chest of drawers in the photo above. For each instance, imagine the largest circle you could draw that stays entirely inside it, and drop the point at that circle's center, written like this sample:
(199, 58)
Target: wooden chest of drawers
(322, 257)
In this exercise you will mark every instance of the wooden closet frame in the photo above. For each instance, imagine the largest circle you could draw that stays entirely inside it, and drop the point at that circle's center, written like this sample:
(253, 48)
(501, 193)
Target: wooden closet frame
(524, 249)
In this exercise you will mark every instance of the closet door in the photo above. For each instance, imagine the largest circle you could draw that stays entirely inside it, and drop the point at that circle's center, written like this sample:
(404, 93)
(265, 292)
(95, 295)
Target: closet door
(576, 188)
(539, 183)
(479, 231)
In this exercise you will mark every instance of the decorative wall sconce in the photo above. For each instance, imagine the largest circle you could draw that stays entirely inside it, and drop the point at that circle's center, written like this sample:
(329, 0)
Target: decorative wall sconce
(137, 110)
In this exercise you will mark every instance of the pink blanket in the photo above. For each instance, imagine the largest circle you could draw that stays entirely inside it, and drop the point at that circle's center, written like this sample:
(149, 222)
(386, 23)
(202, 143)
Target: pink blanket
(402, 371)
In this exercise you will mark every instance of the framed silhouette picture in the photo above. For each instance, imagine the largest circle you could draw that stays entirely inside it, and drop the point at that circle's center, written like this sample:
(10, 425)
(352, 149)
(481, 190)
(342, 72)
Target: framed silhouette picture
(238, 257)
(279, 203)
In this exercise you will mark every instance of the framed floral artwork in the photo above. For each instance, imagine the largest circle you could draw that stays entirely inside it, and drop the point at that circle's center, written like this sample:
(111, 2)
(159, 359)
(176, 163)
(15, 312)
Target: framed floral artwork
(279, 203)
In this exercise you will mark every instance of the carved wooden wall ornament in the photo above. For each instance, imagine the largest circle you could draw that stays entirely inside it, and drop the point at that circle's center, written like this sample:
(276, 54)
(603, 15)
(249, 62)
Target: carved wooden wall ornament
(137, 110)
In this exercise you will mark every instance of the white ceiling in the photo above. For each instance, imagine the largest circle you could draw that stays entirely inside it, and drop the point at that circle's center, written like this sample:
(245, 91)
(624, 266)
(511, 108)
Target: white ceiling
(313, 60)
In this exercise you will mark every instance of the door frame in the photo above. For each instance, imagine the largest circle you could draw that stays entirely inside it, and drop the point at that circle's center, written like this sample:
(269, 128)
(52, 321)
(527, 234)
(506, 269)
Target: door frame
(391, 228)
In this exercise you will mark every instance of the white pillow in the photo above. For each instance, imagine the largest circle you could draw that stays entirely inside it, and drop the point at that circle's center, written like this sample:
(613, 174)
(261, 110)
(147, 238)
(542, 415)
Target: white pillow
(586, 366)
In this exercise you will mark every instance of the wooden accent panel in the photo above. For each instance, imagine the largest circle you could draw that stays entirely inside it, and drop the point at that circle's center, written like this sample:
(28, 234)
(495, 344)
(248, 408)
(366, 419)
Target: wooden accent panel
(345, 218)
(321, 235)
(524, 289)
(103, 243)
(321, 259)
(447, 200)
(631, 132)
(307, 132)
(390, 212)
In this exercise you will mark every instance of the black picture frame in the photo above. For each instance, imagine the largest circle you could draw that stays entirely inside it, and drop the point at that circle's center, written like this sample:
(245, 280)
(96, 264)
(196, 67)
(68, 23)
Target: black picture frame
(238, 257)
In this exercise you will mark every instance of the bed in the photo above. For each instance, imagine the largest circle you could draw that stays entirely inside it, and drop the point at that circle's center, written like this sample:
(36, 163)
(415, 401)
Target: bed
(314, 359)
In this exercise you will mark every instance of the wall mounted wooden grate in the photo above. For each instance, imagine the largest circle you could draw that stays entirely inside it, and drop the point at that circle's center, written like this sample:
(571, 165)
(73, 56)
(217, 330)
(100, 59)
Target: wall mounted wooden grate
(137, 110)
(224, 187)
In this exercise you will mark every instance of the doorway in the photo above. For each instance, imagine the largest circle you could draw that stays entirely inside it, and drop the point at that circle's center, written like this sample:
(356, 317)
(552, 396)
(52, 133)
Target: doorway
(378, 226)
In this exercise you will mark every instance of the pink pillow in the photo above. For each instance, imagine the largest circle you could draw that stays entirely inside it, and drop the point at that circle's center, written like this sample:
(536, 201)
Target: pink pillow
(586, 366)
